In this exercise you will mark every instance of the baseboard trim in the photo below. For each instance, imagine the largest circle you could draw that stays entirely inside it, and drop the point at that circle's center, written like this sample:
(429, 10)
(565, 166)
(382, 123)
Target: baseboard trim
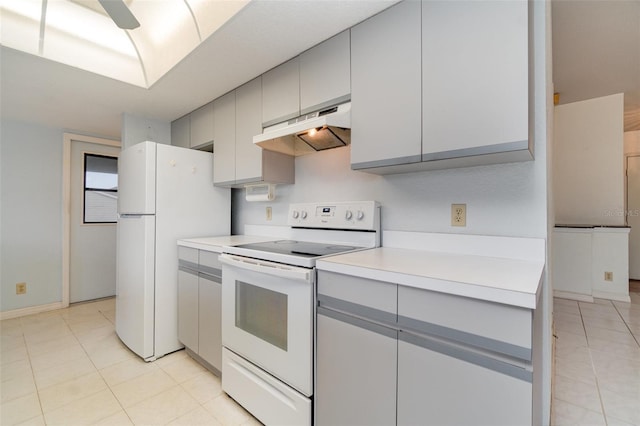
(30, 310)
(572, 296)
(611, 296)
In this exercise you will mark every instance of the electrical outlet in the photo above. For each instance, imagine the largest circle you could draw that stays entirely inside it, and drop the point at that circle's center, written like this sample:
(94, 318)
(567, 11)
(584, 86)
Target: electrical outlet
(458, 215)
(21, 288)
(608, 276)
(268, 213)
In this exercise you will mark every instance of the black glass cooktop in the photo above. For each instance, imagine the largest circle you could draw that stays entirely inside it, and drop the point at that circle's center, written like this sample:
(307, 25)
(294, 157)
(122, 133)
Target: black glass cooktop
(298, 248)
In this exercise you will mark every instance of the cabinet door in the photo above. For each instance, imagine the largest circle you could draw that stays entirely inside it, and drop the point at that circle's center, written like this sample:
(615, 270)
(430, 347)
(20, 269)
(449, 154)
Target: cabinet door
(281, 93)
(224, 139)
(188, 309)
(475, 77)
(210, 319)
(439, 389)
(325, 74)
(180, 131)
(248, 124)
(355, 374)
(202, 126)
(385, 88)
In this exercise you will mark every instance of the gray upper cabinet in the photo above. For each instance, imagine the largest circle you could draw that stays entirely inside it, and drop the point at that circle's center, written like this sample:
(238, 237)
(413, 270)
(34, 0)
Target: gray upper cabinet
(194, 130)
(202, 126)
(385, 88)
(248, 124)
(237, 161)
(475, 79)
(224, 139)
(181, 132)
(438, 84)
(281, 93)
(325, 74)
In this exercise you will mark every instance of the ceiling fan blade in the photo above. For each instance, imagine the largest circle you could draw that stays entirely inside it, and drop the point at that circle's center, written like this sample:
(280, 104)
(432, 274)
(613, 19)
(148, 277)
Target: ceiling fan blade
(120, 14)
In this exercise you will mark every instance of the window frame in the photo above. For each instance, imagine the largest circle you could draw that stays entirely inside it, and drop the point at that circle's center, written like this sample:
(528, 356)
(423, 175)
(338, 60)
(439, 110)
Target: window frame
(85, 189)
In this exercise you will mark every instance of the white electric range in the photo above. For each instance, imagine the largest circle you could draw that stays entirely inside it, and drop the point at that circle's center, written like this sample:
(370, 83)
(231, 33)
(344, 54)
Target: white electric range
(268, 307)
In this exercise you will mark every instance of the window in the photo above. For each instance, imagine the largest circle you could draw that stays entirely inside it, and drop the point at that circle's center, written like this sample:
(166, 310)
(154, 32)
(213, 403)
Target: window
(100, 189)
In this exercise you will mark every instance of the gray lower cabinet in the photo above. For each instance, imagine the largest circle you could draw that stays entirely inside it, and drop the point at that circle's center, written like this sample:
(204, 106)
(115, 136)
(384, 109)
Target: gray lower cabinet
(187, 316)
(356, 358)
(436, 387)
(200, 306)
(390, 354)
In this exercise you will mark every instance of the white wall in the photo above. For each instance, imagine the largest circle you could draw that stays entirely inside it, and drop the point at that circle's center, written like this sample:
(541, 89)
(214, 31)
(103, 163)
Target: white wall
(588, 162)
(504, 199)
(632, 142)
(137, 129)
(31, 214)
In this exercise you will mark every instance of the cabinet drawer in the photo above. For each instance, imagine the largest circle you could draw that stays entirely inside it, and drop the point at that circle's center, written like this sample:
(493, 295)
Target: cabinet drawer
(189, 254)
(357, 293)
(492, 326)
(210, 265)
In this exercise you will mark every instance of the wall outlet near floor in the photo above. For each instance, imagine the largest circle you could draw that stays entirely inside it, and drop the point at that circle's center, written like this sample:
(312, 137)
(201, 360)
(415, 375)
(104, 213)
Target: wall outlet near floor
(458, 215)
(21, 288)
(268, 213)
(608, 276)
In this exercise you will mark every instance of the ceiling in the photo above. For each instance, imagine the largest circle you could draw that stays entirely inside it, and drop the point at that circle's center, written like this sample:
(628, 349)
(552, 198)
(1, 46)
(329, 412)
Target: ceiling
(596, 52)
(82, 34)
(260, 36)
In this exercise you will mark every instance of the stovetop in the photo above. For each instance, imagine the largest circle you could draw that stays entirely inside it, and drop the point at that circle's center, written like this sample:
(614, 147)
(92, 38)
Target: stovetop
(299, 248)
(318, 230)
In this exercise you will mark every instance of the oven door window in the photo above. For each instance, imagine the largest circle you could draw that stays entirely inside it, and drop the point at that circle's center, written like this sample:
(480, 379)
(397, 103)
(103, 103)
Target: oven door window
(262, 313)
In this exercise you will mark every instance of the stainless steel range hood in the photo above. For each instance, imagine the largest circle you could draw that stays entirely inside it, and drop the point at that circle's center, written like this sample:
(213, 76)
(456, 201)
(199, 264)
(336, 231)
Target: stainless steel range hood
(317, 131)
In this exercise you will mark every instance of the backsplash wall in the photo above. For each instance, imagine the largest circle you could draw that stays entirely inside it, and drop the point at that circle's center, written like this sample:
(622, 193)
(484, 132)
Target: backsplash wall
(504, 199)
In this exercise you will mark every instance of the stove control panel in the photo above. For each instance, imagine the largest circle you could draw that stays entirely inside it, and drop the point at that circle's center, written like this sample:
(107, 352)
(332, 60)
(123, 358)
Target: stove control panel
(357, 215)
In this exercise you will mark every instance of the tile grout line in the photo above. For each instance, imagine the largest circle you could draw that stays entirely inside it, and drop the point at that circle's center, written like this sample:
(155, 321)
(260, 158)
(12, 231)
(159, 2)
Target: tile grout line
(100, 373)
(627, 325)
(33, 375)
(593, 367)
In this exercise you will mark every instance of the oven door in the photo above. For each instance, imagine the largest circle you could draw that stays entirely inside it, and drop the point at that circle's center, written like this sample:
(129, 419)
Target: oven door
(267, 317)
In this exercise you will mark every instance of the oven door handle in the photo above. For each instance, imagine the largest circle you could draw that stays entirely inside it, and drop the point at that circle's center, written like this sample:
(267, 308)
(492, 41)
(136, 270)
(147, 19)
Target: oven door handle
(264, 267)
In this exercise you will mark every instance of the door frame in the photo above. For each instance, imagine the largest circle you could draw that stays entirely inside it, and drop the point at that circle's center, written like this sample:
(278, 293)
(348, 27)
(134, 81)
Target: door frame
(68, 138)
(627, 155)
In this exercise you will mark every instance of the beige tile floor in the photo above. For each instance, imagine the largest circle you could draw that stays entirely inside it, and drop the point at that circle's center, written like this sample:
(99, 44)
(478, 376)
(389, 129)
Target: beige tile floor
(597, 372)
(67, 367)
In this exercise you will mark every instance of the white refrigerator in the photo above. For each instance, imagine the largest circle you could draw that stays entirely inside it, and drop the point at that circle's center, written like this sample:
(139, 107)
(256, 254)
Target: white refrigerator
(165, 193)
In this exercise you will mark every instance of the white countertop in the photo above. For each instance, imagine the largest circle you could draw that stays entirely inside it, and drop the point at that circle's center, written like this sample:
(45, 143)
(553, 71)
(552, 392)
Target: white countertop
(504, 280)
(215, 244)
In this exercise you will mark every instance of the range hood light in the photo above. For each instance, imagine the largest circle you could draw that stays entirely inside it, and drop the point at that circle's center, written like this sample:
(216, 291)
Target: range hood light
(316, 131)
(321, 138)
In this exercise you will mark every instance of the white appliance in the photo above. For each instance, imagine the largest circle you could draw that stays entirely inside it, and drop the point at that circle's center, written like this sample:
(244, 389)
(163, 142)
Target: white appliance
(268, 307)
(165, 194)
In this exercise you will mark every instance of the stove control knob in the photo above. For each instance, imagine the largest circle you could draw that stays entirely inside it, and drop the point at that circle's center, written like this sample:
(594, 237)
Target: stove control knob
(303, 214)
(360, 215)
(295, 214)
(348, 215)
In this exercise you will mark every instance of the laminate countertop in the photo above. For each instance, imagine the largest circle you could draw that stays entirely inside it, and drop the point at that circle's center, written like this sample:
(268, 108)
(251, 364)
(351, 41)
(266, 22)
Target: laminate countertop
(509, 281)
